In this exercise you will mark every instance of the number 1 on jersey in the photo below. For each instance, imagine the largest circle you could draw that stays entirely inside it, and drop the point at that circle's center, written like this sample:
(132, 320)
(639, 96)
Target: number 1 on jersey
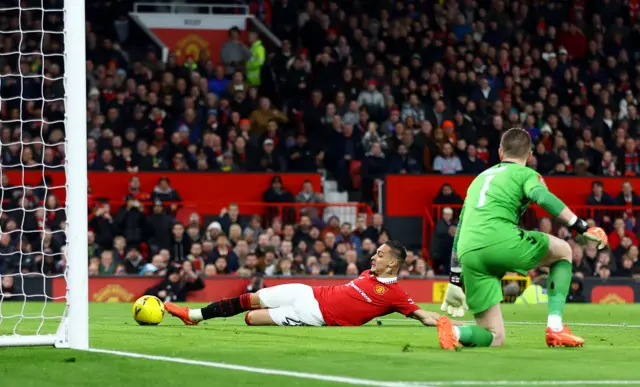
(483, 191)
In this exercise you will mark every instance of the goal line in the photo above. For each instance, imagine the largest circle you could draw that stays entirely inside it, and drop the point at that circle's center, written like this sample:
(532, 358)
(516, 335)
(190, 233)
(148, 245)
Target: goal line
(366, 382)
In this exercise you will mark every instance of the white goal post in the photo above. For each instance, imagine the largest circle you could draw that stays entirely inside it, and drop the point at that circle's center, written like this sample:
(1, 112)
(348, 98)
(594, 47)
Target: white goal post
(73, 331)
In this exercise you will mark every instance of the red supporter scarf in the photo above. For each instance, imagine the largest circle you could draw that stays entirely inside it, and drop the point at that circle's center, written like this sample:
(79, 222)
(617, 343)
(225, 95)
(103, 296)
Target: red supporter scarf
(631, 162)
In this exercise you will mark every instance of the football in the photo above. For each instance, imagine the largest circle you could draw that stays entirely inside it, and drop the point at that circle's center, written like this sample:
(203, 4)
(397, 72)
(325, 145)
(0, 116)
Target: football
(597, 231)
(148, 310)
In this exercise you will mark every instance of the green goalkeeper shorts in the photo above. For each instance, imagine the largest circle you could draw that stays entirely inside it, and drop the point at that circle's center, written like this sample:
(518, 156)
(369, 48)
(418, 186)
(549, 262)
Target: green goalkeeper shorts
(483, 269)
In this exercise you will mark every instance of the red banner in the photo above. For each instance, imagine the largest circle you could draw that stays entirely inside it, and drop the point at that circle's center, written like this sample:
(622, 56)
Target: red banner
(128, 289)
(607, 294)
(191, 34)
(213, 190)
(409, 195)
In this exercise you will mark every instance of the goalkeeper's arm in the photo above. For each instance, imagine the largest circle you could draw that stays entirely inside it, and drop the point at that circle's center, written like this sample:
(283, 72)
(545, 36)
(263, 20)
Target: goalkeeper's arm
(456, 269)
(554, 206)
(454, 301)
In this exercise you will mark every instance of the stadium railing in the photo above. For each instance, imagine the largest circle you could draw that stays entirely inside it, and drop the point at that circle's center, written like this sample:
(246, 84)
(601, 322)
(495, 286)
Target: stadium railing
(604, 216)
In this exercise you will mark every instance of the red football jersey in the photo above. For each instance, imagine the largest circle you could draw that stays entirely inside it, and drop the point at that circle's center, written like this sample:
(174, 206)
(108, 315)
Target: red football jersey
(361, 300)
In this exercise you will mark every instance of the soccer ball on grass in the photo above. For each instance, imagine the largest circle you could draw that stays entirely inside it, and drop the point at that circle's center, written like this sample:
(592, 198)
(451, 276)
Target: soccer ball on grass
(148, 310)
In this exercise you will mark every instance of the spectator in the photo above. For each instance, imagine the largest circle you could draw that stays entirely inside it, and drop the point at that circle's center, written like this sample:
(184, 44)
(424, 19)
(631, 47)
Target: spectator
(598, 197)
(234, 53)
(180, 243)
(447, 163)
(374, 168)
(223, 250)
(178, 282)
(447, 195)
(627, 196)
(131, 221)
(159, 227)
(442, 241)
(307, 195)
(165, 193)
(581, 267)
(260, 118)
(257, 59)
(404, 163)
(375, 229)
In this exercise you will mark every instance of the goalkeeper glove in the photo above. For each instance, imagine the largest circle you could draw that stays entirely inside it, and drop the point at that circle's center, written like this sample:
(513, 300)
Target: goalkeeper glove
(581, 227)
(455, 302)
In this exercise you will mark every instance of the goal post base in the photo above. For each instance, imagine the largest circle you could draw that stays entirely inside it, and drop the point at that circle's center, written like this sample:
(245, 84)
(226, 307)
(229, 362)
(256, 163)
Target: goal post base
(21, 341)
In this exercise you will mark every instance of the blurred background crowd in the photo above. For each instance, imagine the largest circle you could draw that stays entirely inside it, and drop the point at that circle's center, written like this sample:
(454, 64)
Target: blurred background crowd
(356, 90)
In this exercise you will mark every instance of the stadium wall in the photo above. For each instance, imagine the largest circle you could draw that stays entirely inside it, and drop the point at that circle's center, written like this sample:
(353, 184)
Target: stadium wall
(127, 289)
(210, 192)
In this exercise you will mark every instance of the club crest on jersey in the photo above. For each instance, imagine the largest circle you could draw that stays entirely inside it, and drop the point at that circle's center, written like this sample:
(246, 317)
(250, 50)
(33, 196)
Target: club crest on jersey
(541, 180)
(380, 290)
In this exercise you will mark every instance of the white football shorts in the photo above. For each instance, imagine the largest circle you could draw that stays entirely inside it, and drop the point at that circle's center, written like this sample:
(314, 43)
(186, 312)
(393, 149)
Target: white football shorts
(292, 305)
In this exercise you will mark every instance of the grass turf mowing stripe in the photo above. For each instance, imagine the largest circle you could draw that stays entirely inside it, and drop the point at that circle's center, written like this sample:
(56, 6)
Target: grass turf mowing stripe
(367, 382)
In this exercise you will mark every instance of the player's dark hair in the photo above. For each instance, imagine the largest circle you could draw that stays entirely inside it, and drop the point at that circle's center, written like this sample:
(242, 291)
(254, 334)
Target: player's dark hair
(516, 143)
(398, 250)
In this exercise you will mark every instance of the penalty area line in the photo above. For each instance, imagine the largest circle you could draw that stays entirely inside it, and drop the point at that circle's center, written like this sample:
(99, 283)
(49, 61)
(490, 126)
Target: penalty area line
(367, 382)
(577, 324)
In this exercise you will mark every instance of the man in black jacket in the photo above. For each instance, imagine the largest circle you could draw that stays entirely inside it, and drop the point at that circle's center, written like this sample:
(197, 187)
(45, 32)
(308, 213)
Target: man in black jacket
(180, 280)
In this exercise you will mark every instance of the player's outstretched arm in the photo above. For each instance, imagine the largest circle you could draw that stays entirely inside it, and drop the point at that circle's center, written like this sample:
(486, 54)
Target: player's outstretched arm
(429, 318)
(554, 206)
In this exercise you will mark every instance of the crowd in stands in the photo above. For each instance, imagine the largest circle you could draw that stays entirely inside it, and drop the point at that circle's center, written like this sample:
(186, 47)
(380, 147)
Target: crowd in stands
(360, 89)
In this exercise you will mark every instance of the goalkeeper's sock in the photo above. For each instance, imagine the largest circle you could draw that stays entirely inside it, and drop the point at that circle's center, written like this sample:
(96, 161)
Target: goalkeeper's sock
(473, 336)
(558, 285)
(226, 307)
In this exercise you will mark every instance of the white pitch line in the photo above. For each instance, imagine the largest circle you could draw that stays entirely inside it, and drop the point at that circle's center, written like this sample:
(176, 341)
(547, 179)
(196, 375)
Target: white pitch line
(267, 371)
(622, 325)
(539, 383)
(367, 382)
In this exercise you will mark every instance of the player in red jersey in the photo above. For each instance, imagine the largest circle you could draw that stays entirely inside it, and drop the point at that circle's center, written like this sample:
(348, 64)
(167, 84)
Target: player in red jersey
(373, 294)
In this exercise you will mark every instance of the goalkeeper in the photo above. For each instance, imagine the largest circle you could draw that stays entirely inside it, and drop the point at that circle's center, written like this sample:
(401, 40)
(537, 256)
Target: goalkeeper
(489, 243)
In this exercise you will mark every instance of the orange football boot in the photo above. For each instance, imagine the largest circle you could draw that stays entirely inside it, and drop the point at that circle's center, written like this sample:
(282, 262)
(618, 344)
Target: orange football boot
(446, 334)
(180, 312)
(564, 338)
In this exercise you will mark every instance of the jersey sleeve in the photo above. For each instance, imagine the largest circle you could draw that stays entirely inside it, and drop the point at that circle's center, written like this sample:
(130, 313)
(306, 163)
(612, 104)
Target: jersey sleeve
(532, 179)
(536, 190)
(404, 304)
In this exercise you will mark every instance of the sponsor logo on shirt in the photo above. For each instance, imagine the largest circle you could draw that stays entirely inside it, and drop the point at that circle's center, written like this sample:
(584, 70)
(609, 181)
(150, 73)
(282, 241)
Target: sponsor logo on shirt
(380, 290)
(362, 293)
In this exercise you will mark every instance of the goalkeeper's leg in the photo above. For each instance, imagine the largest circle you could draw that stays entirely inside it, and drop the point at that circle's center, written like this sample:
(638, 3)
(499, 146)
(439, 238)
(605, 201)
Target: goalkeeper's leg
(558, 260)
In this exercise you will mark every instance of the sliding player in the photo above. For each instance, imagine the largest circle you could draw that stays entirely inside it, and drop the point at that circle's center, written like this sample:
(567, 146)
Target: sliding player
(375, 293)
(489, 243)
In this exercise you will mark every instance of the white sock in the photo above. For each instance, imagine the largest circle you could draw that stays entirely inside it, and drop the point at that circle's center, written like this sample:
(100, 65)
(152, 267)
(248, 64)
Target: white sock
(195, 315)
(456, 330)
(554, 322)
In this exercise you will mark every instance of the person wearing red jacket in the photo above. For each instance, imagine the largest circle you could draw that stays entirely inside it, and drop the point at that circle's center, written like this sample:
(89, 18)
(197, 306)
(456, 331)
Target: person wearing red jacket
(619, 232)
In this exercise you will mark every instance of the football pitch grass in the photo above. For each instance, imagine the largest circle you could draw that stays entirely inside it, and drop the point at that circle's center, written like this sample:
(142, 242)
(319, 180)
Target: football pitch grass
(396, 352)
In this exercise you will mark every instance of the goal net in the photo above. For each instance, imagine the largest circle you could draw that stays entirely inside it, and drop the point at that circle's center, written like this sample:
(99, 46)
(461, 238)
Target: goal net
(43, 164)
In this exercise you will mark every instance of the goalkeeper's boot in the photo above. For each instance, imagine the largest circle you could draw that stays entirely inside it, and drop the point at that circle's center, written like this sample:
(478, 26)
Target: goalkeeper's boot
(563, 338)
(180, 312)
(447, 334)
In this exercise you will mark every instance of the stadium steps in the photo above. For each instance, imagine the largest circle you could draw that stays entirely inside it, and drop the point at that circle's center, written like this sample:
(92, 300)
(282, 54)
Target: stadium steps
(332, 195)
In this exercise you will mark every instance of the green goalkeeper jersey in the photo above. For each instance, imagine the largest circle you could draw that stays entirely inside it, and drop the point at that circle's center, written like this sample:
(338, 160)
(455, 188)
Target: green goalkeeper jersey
(495, 201)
